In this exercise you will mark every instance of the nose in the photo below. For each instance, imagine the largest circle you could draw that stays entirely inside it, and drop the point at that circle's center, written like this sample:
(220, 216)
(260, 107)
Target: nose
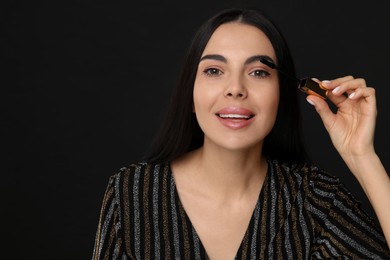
(236, 89)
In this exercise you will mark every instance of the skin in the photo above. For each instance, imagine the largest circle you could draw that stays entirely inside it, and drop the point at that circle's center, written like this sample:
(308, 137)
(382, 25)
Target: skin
(351, 130)
(219, 183)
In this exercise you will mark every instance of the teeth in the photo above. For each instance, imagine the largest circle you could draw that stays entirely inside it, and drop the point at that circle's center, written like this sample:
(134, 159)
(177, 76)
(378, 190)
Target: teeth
(234, 116)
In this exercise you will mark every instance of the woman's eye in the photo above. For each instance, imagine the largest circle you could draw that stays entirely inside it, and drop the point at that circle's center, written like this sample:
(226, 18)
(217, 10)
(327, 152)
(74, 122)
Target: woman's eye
(260, 73)
(212, 72)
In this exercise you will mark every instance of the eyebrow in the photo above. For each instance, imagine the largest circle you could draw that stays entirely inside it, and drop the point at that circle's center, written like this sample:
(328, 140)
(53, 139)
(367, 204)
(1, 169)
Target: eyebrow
(250, 60)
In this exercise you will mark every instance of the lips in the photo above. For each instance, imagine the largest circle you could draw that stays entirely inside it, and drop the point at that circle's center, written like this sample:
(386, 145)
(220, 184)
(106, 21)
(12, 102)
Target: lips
(235, 117)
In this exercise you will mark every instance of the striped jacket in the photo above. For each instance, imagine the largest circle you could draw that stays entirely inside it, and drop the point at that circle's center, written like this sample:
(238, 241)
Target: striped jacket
(302, 213)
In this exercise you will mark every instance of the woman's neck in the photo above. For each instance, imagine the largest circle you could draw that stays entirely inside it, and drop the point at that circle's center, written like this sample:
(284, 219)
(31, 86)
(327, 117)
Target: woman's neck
(227, 173)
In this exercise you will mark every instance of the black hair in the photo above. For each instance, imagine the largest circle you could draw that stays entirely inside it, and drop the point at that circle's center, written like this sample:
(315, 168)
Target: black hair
(180, 131)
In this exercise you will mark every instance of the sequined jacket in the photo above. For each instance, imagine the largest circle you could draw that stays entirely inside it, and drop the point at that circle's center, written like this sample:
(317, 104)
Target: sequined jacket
(302, 212)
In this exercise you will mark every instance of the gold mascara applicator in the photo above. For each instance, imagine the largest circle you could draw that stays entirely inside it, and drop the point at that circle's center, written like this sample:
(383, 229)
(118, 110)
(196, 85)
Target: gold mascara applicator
(306, 85)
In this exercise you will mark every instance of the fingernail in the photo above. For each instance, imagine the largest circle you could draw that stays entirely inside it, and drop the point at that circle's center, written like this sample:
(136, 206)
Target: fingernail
(335, 90)
(310, 102)
(351, 95)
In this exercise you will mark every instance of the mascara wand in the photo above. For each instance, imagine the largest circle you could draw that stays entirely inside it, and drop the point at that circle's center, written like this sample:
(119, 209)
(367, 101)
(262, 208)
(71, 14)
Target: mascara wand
(306, 85)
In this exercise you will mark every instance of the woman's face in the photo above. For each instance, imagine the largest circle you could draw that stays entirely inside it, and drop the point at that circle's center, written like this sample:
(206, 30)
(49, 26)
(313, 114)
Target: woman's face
(235, 95)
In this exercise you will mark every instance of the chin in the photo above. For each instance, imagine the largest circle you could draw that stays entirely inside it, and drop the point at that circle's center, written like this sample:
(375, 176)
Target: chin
(235, 143)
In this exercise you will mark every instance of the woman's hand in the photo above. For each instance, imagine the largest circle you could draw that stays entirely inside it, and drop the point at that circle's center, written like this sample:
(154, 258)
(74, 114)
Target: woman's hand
(352, 127)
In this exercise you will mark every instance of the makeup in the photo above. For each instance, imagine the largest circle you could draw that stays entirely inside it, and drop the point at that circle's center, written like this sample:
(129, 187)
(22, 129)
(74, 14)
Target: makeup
(306, 85)
(235, 117)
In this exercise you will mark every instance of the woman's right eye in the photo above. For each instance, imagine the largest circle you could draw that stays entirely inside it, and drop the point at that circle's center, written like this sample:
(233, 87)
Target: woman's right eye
(212, 72)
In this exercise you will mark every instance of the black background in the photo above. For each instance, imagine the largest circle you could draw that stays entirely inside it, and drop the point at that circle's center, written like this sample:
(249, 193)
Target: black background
(85, 84)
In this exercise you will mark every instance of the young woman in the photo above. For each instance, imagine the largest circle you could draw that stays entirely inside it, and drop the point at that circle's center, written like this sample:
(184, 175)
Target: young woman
(228, 177)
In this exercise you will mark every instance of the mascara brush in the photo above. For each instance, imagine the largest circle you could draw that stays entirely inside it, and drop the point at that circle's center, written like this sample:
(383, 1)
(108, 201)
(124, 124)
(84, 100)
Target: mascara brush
(306, 85)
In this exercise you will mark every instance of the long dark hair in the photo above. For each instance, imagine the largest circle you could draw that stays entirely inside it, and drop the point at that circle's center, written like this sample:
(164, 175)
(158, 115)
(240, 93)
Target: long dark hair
(180, 131)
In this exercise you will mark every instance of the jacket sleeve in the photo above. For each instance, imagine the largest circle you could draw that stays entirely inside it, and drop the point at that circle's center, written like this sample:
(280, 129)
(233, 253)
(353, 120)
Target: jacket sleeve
(343, 229)
(108, 239)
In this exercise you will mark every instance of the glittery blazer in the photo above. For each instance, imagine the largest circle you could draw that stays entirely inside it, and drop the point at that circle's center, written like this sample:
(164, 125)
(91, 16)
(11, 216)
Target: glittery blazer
(302, 212)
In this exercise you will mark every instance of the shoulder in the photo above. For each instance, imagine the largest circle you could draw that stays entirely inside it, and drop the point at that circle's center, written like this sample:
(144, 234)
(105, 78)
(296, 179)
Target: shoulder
(135, 173)
(302, 172)
(321, 188)
(312, 180)
(140, 168)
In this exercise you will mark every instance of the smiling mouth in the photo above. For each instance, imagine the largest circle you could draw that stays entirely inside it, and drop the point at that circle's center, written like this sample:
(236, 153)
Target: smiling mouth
(235, 116)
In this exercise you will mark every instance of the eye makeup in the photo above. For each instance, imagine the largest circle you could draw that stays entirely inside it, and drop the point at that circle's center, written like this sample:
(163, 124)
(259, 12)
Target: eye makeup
(306, 85)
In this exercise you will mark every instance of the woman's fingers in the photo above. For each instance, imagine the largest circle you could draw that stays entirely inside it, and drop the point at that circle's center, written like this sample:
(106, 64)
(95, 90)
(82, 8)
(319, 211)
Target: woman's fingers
(352, 126)
(344, 88)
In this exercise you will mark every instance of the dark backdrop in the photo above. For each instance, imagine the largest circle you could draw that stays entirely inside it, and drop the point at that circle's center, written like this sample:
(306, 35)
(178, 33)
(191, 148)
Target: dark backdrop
(85, 85)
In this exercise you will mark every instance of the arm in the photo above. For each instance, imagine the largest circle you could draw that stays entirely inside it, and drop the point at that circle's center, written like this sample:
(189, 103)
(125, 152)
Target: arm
(376, 185)
(351, 130)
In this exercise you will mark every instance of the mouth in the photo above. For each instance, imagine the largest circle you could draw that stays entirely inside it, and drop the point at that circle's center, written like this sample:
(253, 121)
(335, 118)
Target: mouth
(235, 116)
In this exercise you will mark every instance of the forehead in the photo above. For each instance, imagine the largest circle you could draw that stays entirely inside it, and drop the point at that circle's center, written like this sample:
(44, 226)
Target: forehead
(239, 39)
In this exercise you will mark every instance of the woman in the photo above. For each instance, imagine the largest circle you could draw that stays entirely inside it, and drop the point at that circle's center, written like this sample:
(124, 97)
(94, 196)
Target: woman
(228, 176)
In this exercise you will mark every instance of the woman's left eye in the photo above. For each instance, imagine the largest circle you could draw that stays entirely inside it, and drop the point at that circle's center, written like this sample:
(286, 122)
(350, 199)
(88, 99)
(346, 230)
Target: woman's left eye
(260, 73)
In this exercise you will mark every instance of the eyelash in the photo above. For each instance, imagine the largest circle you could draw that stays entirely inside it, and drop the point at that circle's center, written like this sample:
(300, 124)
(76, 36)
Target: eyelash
(263, 74)
(213, 72)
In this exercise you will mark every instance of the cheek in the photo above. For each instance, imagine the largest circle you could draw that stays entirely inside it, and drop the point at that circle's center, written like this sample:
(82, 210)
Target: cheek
(268, 105)
(204, 97)
(274, 105)
(200, 107)
(274, 108)
(274, 101)
(197, 99)
(267, 98)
